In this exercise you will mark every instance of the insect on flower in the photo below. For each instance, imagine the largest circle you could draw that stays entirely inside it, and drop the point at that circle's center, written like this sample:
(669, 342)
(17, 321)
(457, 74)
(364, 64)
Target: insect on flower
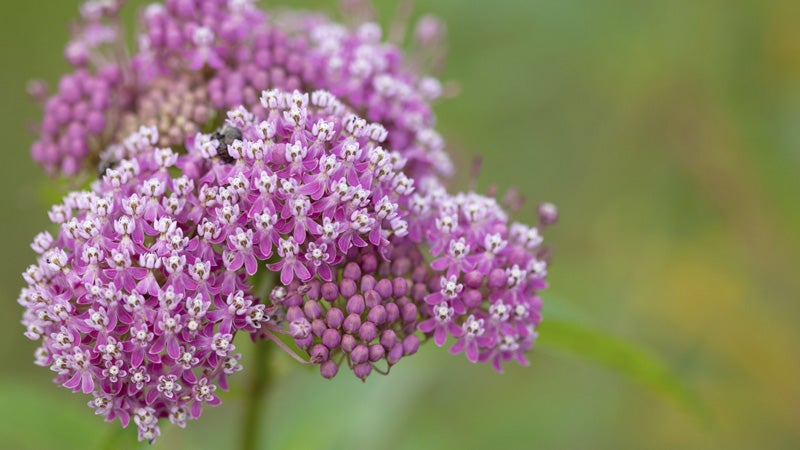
(226, 136)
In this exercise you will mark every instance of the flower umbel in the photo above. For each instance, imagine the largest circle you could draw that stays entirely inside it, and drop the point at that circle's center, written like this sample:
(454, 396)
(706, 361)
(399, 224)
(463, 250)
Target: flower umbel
(141, 292)
(230, 144)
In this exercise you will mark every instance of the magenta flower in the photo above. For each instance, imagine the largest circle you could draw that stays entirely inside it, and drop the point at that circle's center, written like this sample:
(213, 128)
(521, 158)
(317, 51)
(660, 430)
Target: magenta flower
(241, 244)
(441, 323)
(456, 260)
(473, 331)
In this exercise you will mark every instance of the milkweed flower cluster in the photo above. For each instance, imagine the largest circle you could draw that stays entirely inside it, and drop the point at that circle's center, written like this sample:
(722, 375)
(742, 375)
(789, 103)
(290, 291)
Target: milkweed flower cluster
(139, 296)
(230, 145)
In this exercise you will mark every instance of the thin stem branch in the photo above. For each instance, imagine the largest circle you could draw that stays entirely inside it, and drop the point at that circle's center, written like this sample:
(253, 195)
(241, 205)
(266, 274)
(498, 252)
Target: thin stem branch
(286, 348)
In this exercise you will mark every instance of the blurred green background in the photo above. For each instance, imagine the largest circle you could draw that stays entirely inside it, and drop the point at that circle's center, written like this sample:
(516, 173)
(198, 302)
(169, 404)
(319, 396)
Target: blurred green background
(667, 132)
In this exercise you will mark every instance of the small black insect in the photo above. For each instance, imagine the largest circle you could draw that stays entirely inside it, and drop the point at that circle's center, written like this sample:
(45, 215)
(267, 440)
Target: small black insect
(226, 135)
(104, 165)
(109, 159)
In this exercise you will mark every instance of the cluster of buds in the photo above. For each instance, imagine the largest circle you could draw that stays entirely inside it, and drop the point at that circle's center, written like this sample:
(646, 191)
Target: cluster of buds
(367, 314)
(232, 145)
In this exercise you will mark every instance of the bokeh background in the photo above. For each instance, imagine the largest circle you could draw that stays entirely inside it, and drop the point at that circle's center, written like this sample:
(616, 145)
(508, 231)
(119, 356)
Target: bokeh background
(668, 133)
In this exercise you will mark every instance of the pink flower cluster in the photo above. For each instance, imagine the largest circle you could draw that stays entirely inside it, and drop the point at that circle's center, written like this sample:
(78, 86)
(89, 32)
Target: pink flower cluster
(231, 147)
(489, 274)
(138, 298)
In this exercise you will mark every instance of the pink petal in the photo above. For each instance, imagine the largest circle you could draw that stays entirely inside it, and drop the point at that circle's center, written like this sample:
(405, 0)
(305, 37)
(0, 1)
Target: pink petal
(223, 382)
(286, 274)
(137, 356)
(152, 394)
(157, 346)
(440, 263)
(251, 265)
(301, 271)
(454, 329)
(427, 326)
(458, 347)
(236, 263)
(472, 351)
(87, 383)
(196, 409)
(496, 364)
(299, 232)
(124, 418)
(73, 382)
(440, 336)
(173, 350)
(189, 376)
(324, 272)
(375, 236)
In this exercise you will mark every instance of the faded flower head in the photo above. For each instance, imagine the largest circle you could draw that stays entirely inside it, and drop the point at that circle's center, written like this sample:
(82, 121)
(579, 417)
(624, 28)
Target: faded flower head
(194, 60)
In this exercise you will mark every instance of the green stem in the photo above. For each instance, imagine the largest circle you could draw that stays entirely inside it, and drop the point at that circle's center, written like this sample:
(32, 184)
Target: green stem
(254, 402)
(252, 422)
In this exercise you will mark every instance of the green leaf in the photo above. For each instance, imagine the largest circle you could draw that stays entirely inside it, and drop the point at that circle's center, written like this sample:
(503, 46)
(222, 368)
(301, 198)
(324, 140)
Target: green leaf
(563, 331)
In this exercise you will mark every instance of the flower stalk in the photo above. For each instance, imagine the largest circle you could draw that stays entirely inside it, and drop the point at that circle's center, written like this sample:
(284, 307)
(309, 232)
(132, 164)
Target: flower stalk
(252, 423)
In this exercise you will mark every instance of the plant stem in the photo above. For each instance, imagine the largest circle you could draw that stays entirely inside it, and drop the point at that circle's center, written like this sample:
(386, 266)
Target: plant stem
(254, 402)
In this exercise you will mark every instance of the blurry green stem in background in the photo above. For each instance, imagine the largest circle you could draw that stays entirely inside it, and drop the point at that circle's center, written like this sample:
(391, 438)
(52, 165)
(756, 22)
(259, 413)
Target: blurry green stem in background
(254, 400)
